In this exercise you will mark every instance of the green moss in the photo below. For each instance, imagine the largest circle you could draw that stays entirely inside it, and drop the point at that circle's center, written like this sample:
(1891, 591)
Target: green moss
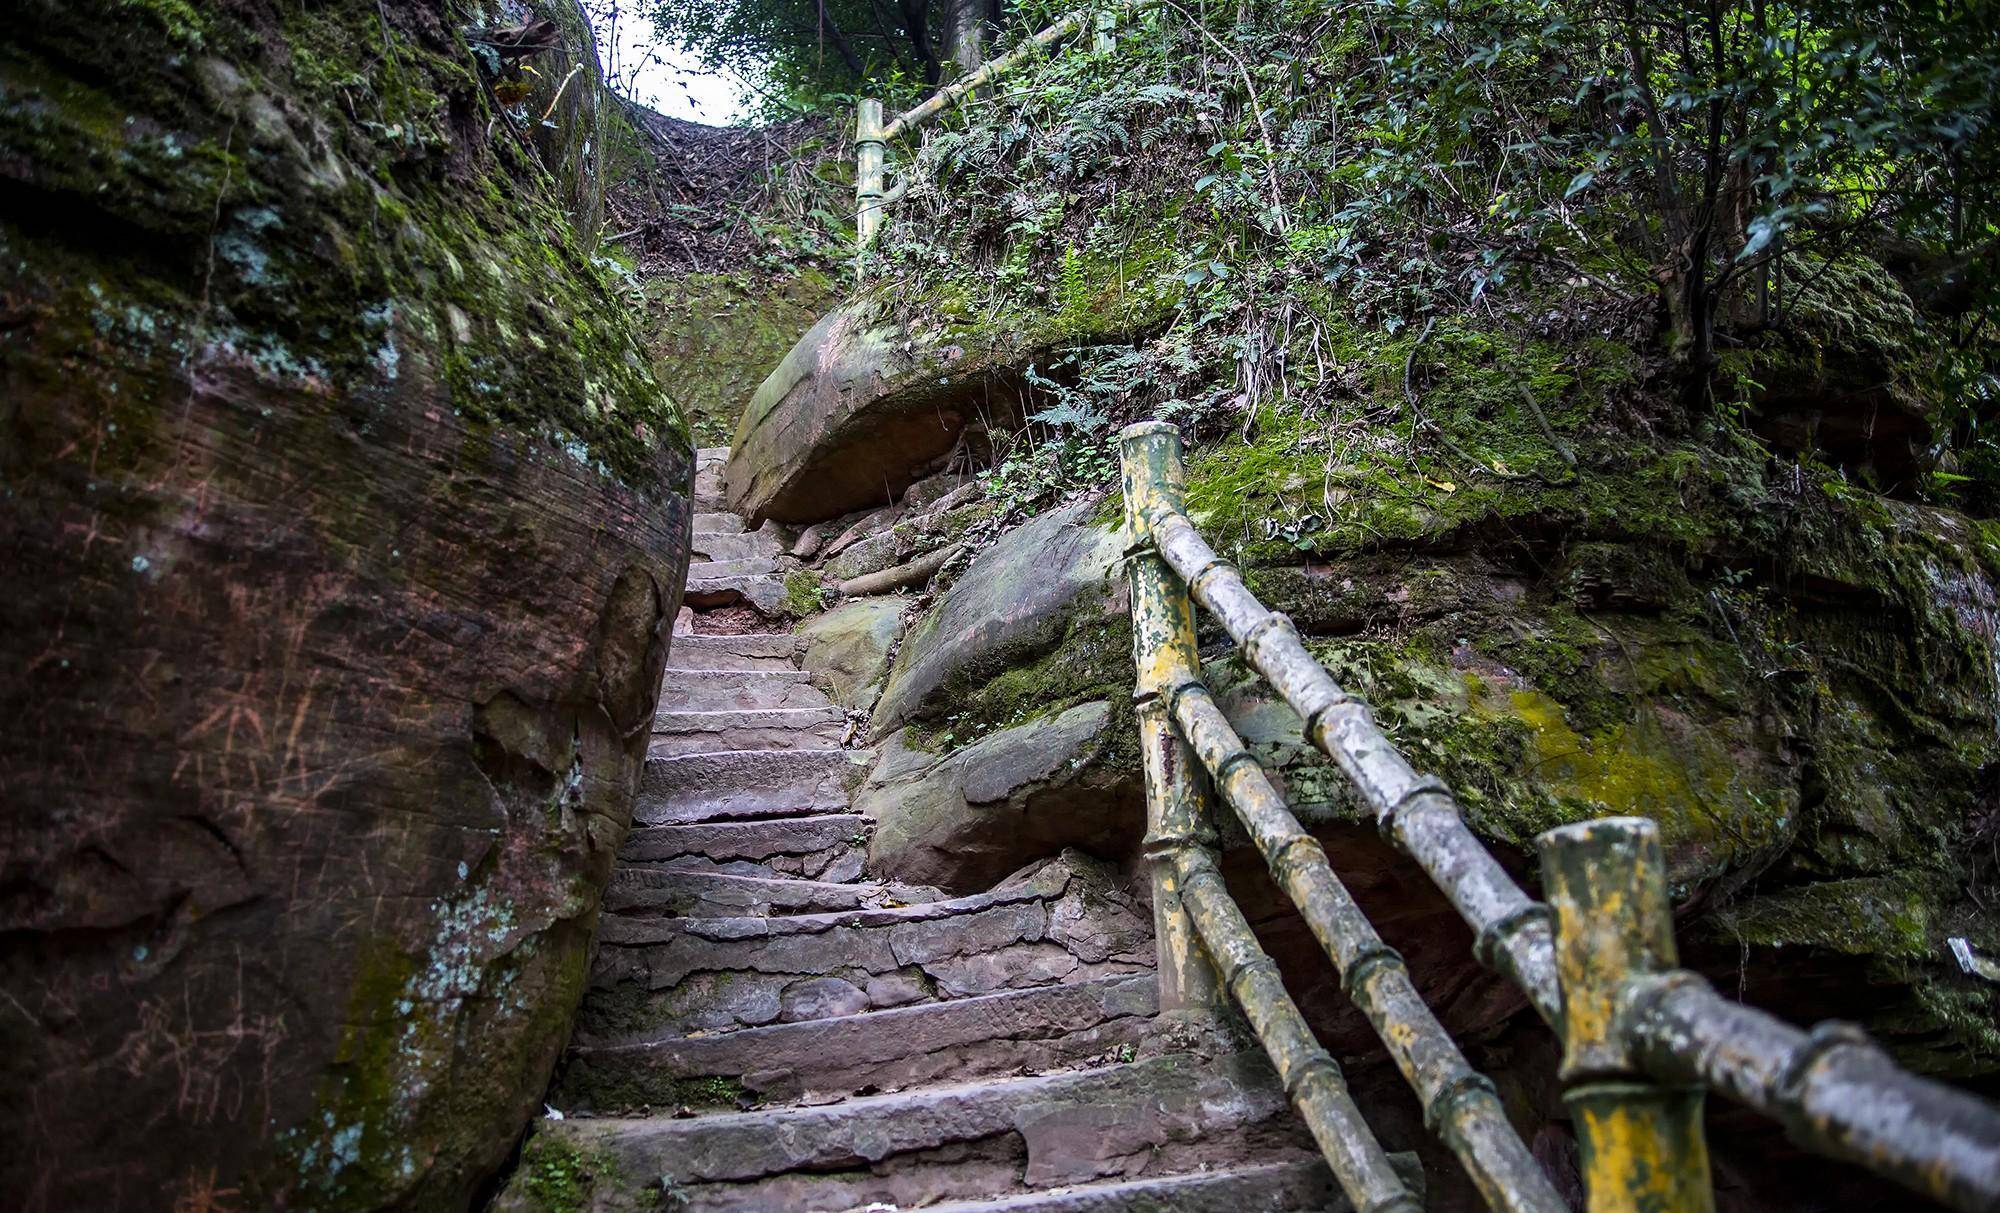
(715, 337)
(1092, 660)
(482, 282)
(1886, 916)
(178, 19)
(558, 1175)
(804, 595)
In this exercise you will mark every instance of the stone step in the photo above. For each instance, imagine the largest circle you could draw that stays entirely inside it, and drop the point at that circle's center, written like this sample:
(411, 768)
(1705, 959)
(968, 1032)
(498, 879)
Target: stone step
(757, 545)
(716, 522)
(753, 651)
(750, 566)
(1064, 920)
(765, 593)
(1305, 1185)
(708, 464)
(819, 1060)
(739, 691)
(741, 784)
(679, 733)
(692, 893)
(829, 847)
(1177, 1113)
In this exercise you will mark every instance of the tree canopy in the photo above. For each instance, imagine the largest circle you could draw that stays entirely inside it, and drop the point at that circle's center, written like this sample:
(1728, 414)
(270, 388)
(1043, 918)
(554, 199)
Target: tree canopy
(807, 48)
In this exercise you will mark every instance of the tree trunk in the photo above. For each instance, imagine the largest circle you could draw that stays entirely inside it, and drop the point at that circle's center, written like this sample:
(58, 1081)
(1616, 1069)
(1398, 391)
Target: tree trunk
(965, 33)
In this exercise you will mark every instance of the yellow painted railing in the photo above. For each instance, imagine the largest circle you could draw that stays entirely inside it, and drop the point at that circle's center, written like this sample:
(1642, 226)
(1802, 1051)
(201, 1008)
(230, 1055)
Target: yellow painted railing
(1643, 1039)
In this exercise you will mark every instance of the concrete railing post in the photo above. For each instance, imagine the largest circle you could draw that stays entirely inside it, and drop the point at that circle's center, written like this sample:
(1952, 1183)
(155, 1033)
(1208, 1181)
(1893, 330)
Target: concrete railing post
(869, 152)
(1179, 801)
(1104, 39)
(1642, 1144)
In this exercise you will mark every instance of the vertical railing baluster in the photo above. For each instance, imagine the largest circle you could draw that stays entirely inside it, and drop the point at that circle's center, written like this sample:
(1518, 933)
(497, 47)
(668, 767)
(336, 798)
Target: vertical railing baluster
(869, 154)
(1642, 1143)
(1179, 801)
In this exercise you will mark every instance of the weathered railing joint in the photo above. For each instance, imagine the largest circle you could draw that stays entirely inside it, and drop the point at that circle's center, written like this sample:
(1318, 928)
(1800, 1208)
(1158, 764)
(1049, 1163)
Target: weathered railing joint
(1442, 1111)
(1490, 945)
(1363, 968)
(1641, 1140)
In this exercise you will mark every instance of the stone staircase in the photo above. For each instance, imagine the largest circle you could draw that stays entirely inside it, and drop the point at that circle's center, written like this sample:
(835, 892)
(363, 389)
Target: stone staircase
(770, 1031)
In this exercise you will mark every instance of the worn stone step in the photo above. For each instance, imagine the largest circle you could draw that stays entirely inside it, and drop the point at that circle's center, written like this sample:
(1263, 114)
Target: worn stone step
(716, 522)
(827, 847)
(693, 893)
(749, 566)
(741, 784)
(1303, 1185)
(708, 464)
(1175, 1113)
(772, 651)
(756, 545)
(739, 691)
(765, 593)
(1064, 920)
(680, 733)
(1014, 1032)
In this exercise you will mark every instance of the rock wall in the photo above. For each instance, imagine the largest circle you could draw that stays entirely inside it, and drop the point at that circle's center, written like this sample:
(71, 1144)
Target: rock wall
(343, 523)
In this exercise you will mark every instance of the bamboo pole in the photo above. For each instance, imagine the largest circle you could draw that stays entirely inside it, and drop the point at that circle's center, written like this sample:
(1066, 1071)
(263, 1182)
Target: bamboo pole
(1179, 804)
(1311, 1078)
(1415, 810)
(1642, 1144)
(1459, 1103)
(1829, 1087)
(1835, 1091)
(993, 69)
(870, 143)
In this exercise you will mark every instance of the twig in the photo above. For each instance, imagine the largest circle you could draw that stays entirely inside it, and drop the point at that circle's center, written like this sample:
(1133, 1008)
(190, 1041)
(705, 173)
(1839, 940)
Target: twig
(1256, 107)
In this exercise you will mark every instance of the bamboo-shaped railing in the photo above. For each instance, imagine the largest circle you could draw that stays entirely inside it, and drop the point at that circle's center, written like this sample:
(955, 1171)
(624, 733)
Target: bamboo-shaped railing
(872, 194)
(1642, 1038)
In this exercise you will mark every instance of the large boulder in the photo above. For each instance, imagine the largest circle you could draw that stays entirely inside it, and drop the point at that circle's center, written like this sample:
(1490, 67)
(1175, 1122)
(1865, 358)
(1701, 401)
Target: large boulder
(962, 820)
(1017, 601)
(343, 525)
(862, 407)
(848, 647)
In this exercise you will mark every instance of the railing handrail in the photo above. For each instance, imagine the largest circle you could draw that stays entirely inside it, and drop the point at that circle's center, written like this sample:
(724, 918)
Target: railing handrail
(1634, 1015)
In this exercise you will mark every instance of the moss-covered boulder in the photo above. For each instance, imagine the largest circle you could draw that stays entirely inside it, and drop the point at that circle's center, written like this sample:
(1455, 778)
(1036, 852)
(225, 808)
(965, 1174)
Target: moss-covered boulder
(1014, 603)
(344, 522)
(859, 409)
(962, 820)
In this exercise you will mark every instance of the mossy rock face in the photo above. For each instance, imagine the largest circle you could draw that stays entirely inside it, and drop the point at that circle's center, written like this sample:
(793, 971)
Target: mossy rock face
(1837, 379)
(966, 820)
(1018, 601)
(716, 337)
(847, 648)
(347, 520)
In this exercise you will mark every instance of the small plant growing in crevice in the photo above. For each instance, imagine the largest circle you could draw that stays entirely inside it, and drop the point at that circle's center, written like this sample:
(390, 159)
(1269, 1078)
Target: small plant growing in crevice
(560, 1176)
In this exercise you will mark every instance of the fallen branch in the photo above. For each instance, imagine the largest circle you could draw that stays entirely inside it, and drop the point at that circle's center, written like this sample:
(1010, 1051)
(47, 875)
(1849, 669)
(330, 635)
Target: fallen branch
(903, 576)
